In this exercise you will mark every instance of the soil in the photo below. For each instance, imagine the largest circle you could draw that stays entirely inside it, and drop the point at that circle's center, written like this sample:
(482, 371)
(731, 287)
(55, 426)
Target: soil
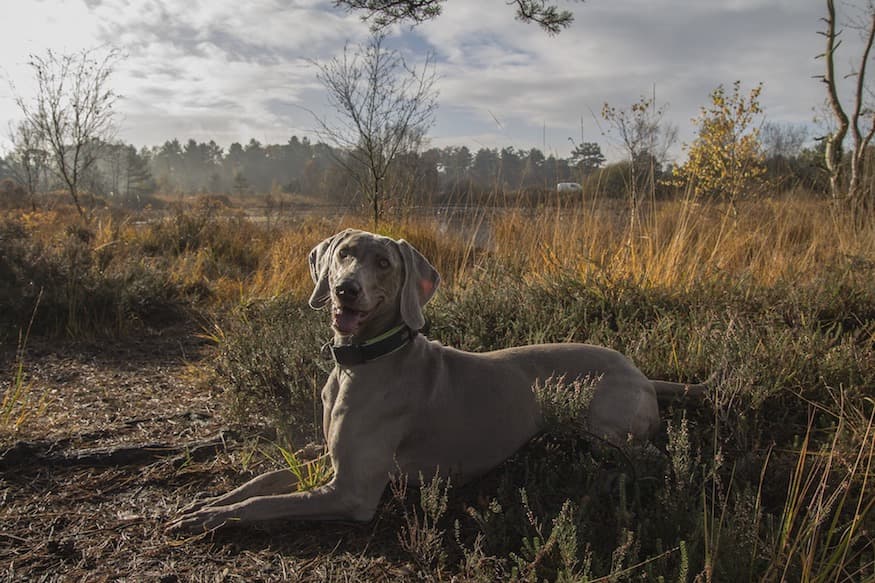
(121, 435)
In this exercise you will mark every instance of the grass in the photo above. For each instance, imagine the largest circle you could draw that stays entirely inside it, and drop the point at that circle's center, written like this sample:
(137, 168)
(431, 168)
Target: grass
(310, 474)
(826, 506)
(679, 244)
(770, 301)
(19, 404)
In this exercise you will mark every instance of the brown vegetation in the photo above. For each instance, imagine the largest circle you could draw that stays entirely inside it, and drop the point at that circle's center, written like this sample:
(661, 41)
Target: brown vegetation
(770, 301)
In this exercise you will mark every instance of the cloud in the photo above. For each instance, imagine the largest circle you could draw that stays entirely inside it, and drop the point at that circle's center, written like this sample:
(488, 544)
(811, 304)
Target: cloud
(616, 52)
(226, 70)
(263, 32)
(210, 60)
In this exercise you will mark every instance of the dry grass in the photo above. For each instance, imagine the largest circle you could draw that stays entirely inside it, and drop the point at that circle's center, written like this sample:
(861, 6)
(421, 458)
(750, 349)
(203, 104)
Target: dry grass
(672, 244)
(679, 244)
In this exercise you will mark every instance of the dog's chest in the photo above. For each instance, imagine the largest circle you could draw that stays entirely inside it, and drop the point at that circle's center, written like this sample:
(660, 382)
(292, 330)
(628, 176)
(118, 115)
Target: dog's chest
(362, 397)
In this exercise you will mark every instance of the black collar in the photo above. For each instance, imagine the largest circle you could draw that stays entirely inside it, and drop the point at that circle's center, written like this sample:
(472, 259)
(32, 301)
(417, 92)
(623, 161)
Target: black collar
(390, 341)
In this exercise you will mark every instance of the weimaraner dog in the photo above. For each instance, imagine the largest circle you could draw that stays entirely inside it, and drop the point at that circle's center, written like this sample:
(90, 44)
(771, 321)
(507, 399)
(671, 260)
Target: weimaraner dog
(398, 402)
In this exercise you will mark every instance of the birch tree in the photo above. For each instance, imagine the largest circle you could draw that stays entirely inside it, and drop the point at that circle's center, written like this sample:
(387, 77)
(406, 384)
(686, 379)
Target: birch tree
(856, 117)
(72, 112)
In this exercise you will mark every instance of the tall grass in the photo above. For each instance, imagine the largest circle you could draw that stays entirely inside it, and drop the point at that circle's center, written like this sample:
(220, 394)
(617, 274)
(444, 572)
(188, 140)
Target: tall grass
(19, 403)
(822, 534)
(682, 243)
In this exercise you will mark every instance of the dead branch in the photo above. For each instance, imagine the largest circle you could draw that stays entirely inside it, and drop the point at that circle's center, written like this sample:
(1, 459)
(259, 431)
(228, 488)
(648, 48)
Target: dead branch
(35, 453)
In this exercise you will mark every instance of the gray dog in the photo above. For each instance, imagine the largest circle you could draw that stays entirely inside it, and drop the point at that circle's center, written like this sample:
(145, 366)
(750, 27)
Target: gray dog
(398, 402)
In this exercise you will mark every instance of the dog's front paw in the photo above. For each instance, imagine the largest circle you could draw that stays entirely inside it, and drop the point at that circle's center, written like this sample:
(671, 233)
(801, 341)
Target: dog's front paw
(201, 500)
(203, 520)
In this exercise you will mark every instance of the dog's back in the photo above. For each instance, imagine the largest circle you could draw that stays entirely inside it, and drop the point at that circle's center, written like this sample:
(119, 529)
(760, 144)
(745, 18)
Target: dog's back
(473, 410)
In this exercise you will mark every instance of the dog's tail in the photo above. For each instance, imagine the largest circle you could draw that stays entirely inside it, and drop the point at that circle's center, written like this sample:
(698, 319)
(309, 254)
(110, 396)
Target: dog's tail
(668, 392)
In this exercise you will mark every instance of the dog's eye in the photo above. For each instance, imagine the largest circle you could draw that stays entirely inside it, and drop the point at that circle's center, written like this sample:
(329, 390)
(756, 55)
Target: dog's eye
(343, 253)
(383, 263)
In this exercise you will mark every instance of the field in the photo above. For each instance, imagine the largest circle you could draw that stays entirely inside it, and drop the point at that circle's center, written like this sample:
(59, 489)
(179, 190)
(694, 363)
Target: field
(150, 357)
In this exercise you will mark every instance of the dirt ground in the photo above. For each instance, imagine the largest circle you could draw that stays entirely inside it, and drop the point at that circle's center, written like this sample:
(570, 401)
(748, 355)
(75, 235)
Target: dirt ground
(131, 431)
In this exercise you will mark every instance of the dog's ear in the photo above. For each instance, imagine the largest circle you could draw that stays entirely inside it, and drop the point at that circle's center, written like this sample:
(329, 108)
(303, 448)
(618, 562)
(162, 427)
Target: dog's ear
(320, 260)
(421, 280)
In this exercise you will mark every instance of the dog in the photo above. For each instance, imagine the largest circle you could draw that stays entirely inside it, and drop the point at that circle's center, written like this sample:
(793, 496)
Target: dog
(397, 402)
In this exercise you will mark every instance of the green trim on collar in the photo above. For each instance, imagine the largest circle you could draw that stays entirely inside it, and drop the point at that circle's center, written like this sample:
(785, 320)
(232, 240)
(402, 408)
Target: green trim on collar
(383, 336)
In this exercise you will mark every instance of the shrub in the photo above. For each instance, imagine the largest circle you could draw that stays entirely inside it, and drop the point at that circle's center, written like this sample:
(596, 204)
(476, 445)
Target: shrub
(269, 360)
(12, 194)
(726, 159)
(83, 289)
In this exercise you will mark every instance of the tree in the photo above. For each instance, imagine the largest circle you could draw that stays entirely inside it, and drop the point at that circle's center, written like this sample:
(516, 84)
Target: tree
(783, 140)
(587, 157)
(254, 166)
(72, 111)
(859, 198)
(138, 178)
(384, 107)
(240, 185)
(533, 168)
(486, 167)
(5, 170)
(456, 162)
(788, 164)
(166, 165)
(12, 194)
(383, 13)
(105, 177)
(413, 179)
(28, 160)
(646, 139)
(510, 168)
(726, 158)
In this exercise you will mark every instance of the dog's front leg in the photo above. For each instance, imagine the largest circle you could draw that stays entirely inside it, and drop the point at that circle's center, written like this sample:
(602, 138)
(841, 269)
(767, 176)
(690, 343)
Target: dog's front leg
(276, 482)
(329, 502)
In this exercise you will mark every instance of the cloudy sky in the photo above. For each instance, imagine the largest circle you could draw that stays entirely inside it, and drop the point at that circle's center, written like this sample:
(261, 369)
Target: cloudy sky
(230, 70)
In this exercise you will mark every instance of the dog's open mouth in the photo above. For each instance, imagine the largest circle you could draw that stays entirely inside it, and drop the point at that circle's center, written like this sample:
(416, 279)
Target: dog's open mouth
(347, 320)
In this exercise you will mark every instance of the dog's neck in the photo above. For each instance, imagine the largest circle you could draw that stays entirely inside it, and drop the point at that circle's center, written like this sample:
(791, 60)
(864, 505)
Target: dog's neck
(349, 353)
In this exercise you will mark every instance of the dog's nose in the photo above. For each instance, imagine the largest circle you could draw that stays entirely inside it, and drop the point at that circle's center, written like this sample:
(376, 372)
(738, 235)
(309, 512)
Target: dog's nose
(348, 289)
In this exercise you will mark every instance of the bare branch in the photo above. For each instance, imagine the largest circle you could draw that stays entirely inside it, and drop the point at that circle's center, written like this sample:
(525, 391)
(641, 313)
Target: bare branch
(381, 103)
(861, 83)
(856, 193)
(835, 140)
(72, 111)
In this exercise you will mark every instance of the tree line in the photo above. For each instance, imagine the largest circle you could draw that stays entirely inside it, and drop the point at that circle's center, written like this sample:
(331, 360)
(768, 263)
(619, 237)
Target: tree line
(129, 176)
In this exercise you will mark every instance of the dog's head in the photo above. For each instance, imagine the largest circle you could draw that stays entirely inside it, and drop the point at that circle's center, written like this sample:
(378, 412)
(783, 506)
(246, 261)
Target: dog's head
(372, 282)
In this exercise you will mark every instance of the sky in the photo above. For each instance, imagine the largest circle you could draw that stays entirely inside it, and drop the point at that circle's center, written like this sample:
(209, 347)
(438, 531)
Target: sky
(229, 71)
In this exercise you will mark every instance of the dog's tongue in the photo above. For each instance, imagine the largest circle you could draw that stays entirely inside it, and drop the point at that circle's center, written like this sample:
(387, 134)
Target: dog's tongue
(347, 321)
